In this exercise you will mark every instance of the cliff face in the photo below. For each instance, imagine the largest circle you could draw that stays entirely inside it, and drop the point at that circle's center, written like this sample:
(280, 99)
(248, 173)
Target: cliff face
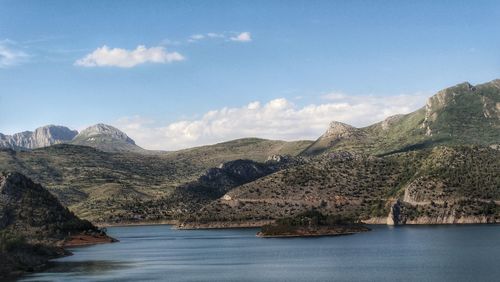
(402, 212)
(41, 137)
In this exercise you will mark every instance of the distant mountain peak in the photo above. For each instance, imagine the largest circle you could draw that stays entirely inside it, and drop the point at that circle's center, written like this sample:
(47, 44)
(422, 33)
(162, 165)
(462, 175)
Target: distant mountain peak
(106, 138)
(42, 137)
(102, 129)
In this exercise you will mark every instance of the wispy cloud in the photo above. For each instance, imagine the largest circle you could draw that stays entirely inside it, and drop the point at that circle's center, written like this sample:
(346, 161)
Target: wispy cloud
(123, 58)
(275, 119)
(227, 36)
(11, 54)
(335, 95)
(196, 37)
(242, 37)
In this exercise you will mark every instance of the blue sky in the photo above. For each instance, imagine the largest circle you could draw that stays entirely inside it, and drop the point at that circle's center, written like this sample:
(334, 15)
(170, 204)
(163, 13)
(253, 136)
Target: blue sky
(304, 62)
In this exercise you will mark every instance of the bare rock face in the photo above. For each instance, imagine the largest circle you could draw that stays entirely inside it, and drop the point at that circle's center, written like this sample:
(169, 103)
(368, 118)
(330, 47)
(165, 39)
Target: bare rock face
(41, 137)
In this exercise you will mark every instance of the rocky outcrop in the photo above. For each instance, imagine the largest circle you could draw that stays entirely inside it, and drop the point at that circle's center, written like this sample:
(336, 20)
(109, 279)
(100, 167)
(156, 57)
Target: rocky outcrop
(41, 137)
(336, 132)
(339, 130)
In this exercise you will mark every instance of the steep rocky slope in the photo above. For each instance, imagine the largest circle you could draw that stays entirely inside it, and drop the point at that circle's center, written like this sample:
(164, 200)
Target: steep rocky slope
(462, 114)
(440, 185)
(41, 137)
(34, 225)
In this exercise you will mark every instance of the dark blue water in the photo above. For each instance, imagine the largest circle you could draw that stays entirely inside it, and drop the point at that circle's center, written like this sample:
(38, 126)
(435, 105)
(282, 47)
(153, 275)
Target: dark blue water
(158, 253)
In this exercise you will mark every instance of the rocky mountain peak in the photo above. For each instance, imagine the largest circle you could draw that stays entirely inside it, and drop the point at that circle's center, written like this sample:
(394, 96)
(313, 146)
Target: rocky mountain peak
(100, 130)
(496, 83)
(446, 96)
(338, 129)
(441, 100)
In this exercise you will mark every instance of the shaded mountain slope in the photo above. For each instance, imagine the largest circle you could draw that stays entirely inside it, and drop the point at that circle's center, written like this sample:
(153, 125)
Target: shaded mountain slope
(213, 184)
(33, 225)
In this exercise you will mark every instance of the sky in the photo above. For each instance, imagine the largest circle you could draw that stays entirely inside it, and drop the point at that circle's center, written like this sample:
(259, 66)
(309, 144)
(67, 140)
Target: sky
(177, 74)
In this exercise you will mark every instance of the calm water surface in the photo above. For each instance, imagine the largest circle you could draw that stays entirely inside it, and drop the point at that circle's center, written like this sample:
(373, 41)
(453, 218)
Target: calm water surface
(159, 253)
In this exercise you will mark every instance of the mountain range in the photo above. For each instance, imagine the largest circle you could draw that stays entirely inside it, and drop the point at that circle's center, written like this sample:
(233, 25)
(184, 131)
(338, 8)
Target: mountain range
(462, 114)
(439, 164)
(101, 136)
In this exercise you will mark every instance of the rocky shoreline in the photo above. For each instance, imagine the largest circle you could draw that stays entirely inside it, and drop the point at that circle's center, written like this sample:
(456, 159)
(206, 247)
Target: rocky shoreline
(370, 221)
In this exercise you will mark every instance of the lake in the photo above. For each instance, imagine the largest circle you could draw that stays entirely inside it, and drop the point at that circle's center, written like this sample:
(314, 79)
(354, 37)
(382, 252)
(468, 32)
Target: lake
(407, 253)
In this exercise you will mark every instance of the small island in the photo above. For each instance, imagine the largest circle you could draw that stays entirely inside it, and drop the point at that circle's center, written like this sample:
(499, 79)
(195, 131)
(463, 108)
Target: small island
(312, 224)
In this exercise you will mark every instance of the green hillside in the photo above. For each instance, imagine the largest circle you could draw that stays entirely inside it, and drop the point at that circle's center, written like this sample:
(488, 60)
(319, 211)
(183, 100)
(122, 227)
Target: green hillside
(454, 181)
(463, 114)
(100, 186)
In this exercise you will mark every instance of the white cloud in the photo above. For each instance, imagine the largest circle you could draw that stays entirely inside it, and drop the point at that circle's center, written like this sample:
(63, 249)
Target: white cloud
(196, 37)
(117, 57)
(215, 35)
(242, 37)
(276, 119)
(10, 55)
(226, 36)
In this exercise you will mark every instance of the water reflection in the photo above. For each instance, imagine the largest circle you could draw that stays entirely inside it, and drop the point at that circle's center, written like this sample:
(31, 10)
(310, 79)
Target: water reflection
(158, 253)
